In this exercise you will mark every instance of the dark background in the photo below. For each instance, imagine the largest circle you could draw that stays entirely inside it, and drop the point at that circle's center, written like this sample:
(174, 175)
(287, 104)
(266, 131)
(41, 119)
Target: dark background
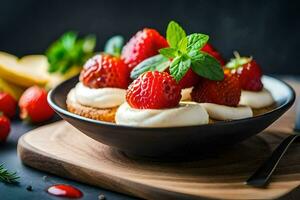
(267, 30)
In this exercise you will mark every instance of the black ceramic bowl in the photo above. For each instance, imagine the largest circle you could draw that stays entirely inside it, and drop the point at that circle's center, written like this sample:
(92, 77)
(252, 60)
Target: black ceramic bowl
(154, 142)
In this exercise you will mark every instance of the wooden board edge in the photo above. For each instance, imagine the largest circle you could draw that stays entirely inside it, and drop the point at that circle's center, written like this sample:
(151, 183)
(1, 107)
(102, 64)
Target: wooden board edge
(125, 186)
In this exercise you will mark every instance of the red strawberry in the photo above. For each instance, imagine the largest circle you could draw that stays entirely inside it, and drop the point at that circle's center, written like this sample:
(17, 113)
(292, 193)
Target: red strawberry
(4, 127)
(248, 71)
(34, 106)
(7, 104)
(153, 90)
(208, 48)
(226, 92)
(190, 79)
(144, 44)
(105, 71)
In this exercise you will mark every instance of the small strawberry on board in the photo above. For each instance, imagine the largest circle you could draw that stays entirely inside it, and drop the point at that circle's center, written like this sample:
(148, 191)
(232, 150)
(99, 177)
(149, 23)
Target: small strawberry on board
(8, 105)
(34, 106)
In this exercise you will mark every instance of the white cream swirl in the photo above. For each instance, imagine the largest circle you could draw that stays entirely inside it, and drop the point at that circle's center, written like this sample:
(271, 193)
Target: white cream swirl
(100, 97)
(221, 112)
(256, 100)
(186, 114)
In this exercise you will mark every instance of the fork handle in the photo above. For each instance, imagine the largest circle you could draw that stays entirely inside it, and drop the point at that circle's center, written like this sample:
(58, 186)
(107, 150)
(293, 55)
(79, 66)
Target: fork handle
(262, 175)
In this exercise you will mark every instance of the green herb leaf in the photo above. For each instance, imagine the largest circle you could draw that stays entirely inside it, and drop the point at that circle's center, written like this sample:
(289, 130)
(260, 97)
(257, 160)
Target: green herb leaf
(68, 51)
(68, 40)
(196, 41)
(175, 33)
(89, 43)
(179, 67)
(8, 177)
(206, 66)
(158, 62)
(168, 52)
(114, 45)
(238, 61)
(182, 45)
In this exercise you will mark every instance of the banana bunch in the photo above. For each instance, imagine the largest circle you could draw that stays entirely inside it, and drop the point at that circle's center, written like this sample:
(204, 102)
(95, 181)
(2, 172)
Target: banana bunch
(16, 74)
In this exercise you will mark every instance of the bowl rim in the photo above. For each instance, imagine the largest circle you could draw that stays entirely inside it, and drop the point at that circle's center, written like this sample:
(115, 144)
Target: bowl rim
(50, 98)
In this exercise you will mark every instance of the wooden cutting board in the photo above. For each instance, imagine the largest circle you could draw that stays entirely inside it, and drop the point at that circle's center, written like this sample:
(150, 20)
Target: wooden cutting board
(62, 150)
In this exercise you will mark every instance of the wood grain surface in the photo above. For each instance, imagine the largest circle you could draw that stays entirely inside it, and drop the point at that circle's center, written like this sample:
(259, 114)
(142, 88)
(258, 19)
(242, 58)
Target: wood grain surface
(62, 150)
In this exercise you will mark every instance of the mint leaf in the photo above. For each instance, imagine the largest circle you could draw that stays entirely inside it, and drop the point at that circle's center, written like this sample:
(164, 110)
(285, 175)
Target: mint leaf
(168, 52)
(68, 40)
(174, 34)
(206, 66)
(114, 45)
(179, 67)
(162, 66)
(89, 43)
(196, 41)
(68, 51)
(158, 62)
(182, 45)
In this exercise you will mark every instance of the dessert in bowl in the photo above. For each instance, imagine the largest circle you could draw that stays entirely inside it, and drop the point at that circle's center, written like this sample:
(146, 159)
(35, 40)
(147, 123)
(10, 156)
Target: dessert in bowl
(184, 100)
(101, 89)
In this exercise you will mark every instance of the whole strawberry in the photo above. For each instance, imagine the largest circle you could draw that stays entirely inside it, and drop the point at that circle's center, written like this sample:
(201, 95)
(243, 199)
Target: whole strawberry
(190, 79)
(105, 70)
(248, 71)
(226, 92)
(208, 48)
(4, 128)
(34, 106)
(153, 90)
(142, 45)
(7, 104)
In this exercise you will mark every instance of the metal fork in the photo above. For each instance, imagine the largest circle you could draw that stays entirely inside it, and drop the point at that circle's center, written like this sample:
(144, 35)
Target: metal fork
(263, 174)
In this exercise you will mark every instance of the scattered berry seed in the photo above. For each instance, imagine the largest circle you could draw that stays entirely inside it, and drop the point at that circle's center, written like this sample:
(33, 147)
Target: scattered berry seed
(29, 188)
(101, 197)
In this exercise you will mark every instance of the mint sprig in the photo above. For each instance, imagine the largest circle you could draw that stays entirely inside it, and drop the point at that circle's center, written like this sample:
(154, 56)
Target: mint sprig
(196, 41)
(206, 66)
(174, 39)
(185, 52)
(179, 66)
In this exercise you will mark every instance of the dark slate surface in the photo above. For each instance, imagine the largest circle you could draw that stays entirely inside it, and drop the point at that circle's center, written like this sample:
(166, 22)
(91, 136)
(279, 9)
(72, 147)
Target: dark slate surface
(29, 176)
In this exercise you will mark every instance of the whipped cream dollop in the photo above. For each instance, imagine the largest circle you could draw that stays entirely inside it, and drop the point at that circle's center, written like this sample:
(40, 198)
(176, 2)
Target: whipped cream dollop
(256, 100)
(186, 114)
(186, 94)
(100, 97)
(222, 112)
